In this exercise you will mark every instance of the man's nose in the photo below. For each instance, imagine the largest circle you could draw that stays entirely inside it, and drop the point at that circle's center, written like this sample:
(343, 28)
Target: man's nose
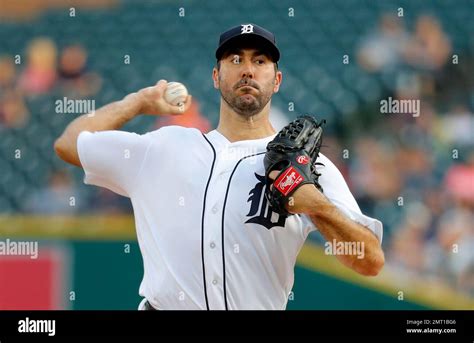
(247, 69)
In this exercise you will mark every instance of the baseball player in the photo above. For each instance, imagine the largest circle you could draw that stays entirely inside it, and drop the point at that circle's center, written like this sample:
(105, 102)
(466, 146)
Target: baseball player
(208, 235)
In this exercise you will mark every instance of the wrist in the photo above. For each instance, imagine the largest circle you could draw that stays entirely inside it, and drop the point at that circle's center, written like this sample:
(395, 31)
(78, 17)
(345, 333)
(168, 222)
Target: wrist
(308, 200)
(133, 105)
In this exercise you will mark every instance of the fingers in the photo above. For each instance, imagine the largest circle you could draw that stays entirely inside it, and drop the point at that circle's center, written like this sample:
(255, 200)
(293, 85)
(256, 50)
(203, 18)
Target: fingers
(157, 90)
(160, 87)
(157, 93)
(183, 107)
(273, 175)
(187, 103)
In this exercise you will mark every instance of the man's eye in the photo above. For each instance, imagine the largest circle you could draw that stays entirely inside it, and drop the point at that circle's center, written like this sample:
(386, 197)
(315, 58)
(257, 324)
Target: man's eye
(260, 61)
(236, 59)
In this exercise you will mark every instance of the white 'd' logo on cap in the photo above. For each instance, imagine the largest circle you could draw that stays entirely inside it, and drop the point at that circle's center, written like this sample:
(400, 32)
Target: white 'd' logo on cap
(247, 29)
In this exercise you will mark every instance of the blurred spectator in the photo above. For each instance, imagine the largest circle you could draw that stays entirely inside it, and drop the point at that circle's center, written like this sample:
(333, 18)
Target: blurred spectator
(430, 47)
(459, 182)
(456, 128)
(191, 118)
(452, 252)
(407, 249)
(427, 54)
(374, 172)
(74, 78)
(59, 196)
(40, 74)
(435, 199)
(414, 165)
(13, 110)
(384, 48)
(7, 73)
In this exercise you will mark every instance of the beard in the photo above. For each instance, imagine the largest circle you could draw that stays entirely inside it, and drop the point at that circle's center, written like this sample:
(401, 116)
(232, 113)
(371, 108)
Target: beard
(246, 101)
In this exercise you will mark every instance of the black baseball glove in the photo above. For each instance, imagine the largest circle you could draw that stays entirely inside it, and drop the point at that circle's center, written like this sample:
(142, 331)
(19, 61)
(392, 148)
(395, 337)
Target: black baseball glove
(293, 152)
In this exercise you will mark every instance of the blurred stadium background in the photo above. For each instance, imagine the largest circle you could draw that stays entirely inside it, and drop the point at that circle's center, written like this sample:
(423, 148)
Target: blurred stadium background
(339, 59)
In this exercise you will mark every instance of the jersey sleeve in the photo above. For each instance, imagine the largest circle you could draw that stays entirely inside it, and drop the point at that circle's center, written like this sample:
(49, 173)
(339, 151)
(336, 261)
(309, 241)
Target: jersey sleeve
(112, 159)
(336, 190)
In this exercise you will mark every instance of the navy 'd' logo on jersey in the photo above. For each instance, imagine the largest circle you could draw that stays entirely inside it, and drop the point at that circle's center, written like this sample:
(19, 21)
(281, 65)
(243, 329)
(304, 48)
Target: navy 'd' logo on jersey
(260, 211)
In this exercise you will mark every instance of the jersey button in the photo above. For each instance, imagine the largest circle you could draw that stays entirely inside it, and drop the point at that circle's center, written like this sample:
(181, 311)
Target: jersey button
(214, 282)
(214, 209)
(212, 245)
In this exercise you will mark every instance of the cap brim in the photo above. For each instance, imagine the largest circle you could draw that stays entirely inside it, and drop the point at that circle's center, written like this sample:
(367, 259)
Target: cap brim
(242, 40)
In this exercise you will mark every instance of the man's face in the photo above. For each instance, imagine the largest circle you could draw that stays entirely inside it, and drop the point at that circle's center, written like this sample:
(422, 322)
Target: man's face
(247, 79)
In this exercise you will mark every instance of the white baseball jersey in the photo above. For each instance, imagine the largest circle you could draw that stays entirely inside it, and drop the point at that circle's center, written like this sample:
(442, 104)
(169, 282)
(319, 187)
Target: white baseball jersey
(206, 233)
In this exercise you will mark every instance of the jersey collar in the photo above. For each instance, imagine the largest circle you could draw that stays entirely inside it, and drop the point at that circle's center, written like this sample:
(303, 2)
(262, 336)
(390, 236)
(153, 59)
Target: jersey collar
(219, 139)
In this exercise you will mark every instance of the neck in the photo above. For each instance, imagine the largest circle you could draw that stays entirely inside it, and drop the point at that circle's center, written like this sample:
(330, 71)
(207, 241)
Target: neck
(237, 128)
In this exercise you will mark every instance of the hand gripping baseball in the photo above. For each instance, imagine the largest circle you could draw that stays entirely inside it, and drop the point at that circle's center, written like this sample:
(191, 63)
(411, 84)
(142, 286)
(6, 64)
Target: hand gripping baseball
(153, 100)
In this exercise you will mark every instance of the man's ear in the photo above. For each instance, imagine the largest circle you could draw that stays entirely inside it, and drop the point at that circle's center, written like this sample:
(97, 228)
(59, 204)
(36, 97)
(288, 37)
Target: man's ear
(278, 79)
(215, 77)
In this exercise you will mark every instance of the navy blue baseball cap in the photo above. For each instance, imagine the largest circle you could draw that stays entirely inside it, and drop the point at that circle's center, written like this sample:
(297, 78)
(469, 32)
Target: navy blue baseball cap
(248, 32)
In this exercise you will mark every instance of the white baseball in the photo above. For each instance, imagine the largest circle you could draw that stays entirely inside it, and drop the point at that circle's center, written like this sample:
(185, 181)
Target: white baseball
(176, 93)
